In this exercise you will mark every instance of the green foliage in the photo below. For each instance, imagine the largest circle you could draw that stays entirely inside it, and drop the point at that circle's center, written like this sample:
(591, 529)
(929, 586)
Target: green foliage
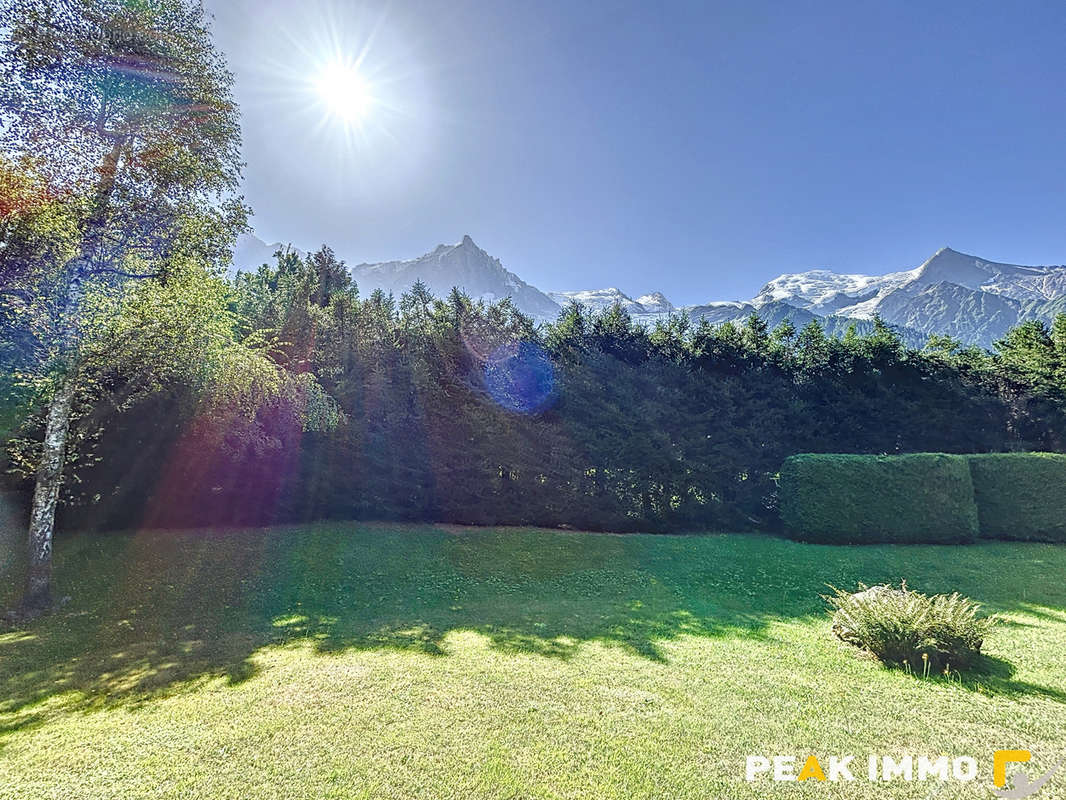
(903, 627)
(1020, 495)
(38, 226)
(349, 406)
(288, 396)
(678, 428)
(38, 231)
(84, 77)
(857, 499)
(118, 116)
(118, 211)
(152, 339)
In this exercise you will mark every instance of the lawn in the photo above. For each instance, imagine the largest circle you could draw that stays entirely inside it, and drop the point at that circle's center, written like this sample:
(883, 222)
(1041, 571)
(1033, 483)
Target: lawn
(356, 660)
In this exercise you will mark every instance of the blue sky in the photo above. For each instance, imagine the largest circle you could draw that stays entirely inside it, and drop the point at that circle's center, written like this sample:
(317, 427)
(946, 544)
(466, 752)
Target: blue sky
(699, 149)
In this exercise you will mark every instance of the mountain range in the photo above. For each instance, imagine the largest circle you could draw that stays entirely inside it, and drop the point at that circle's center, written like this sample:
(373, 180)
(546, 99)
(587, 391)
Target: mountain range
(951, 293)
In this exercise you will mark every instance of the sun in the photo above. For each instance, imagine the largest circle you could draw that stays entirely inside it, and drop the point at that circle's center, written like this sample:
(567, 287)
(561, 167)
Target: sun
(345, 93)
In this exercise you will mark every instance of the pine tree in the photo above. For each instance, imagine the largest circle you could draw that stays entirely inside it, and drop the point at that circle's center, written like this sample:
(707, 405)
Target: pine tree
(331, 276)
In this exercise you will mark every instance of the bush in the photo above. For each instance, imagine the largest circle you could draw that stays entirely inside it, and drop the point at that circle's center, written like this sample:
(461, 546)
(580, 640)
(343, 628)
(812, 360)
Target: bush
(856, 499)
(1020, 495)
(904, 627)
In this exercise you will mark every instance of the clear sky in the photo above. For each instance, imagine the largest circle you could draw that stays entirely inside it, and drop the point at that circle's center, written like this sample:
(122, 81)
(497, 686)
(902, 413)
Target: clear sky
(696, 148)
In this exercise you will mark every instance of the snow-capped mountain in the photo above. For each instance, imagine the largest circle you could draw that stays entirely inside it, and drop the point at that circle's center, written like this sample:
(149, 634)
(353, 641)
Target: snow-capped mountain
(830, 292)
(774, 312)
(655, 303)
(650, 304)
(598, 299)
(861, 295)
(464, 265)
(952, 293)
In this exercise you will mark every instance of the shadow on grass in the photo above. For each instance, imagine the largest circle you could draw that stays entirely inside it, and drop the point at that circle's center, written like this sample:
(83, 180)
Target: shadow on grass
(993, 676)
(156, 612)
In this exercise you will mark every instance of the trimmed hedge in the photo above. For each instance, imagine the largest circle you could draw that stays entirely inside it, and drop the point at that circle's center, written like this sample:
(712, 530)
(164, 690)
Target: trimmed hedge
(1020, 495)
(860, 499)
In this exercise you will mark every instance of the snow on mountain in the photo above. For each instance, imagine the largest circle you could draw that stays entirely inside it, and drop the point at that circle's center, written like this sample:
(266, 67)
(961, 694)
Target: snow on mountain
(829, 292)
(655, 303)
(952, 292)
(464, 265)
(597, 299)
(952, 309)
(1009, 280)
(861, 295)
(962, 295)
(729, 311)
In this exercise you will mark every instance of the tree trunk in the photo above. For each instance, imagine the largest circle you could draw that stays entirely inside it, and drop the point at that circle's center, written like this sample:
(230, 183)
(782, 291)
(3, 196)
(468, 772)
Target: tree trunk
(38, 596)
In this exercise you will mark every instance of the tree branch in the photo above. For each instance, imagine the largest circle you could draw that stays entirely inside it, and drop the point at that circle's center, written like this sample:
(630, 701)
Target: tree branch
(122, 273)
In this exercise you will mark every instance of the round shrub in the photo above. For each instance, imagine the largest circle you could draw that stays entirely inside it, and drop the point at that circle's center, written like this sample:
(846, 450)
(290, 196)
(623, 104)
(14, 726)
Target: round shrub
(904, 627)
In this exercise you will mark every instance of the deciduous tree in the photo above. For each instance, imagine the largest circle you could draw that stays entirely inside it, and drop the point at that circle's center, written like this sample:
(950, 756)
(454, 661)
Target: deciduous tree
(126, 109)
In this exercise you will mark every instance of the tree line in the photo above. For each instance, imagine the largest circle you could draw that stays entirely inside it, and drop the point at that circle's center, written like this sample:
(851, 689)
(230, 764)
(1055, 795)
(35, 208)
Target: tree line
(447, 409)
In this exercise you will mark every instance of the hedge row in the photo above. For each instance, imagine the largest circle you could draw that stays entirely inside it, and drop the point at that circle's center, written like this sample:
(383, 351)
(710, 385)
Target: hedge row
(850, 499)
(924, 497)
(1020, 495)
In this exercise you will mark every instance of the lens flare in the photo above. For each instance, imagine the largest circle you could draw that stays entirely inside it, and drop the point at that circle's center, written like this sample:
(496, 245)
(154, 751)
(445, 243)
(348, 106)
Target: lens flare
(520, 377)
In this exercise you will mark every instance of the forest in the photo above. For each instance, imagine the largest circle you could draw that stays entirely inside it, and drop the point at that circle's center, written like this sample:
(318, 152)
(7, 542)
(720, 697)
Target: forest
(421, 408)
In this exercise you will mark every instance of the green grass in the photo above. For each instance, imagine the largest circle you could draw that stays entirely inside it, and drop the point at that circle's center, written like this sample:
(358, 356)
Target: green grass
(348, 661)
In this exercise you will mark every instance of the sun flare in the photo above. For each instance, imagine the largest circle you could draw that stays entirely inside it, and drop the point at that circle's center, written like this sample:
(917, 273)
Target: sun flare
(345, 93)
